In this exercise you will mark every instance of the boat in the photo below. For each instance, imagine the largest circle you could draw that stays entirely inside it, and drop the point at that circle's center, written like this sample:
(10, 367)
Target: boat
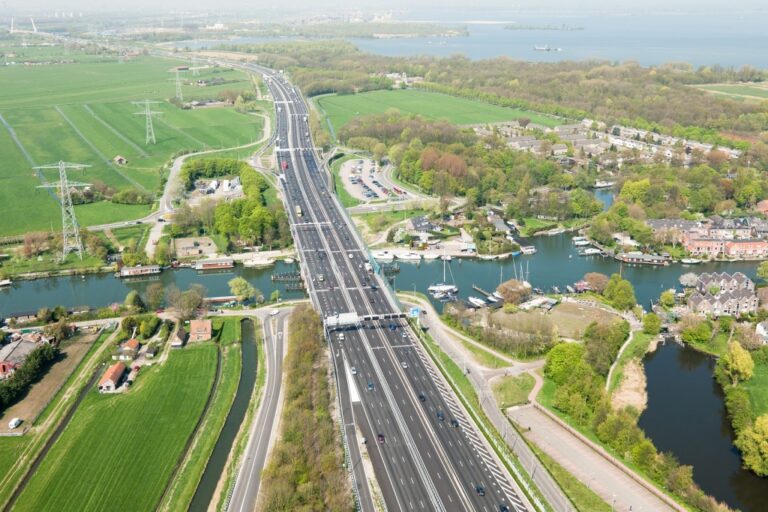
(570, 289)
(6, 282)
(538, 291)
(497, 295)
(446, 257)
(256, 263)
(603, 184)
(444, 288)
(475, 301)
(555, 231)
(581, 243)
(591, 251)
(684, 261)
(288, 260)
(491, 298)
(547, 48)
(409, 256)
(555, 289)
(383, 255)
(430, 256)
(578, 238)
(528, 249)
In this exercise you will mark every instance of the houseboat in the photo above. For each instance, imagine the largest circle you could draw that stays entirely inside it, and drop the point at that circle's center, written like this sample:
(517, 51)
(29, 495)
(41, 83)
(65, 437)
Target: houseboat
(643, 259)
(214, 264)
(139, 270)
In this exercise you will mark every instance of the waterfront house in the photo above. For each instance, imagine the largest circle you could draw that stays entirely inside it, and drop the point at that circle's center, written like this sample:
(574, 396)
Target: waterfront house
(128, 351)
(719, 294)
(724, 282)
(200, 330)
(110, 381)
(746, 249)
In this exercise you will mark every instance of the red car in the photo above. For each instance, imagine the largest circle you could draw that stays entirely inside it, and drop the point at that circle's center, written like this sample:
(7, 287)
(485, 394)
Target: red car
(381, 438)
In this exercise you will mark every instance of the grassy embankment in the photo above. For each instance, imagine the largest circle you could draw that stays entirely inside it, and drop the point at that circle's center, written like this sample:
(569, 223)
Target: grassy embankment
(118, 444)
(635, 350)
(345, 197)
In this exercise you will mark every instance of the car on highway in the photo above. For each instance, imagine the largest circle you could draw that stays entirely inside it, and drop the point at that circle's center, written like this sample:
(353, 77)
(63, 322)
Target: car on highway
(503, 508)
(422, 398)
(441, 415)
(370, 385)
(404, 335)
(353, 370)
(455, 423)
(480, 490)
(274, 312)
(404, 365)
(381, 438)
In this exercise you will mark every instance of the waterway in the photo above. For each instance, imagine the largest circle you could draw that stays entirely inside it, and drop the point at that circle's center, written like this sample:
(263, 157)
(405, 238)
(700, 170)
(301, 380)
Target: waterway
(686, 416)
(98, 290)
(216, 463)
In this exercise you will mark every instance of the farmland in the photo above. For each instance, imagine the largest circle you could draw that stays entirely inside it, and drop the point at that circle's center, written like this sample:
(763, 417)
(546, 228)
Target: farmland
(339, 109)
(82, 112)
(756, 91)
(118, 444)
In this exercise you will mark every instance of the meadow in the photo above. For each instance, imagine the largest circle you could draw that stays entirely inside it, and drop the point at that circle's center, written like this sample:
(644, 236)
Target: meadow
(339, 109)
(83, 112)
(119, 451)
(738, 91)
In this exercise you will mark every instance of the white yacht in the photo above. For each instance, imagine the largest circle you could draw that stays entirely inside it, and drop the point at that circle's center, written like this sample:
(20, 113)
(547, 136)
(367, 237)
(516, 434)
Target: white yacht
(409, 256)
(477, 302)
(383, 255)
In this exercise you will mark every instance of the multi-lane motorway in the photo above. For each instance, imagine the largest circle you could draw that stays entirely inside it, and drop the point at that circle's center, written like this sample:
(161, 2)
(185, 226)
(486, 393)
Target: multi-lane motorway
(426, 453)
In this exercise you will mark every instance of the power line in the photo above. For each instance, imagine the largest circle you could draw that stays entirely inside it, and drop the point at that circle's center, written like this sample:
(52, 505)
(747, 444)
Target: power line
(70, 231)
(148, 113)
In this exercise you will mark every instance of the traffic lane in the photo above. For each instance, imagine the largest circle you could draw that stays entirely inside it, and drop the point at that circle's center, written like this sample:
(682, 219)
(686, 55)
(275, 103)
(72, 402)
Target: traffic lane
(399, 468)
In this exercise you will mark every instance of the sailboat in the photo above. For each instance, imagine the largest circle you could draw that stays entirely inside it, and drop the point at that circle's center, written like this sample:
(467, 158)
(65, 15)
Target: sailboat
(443, 288)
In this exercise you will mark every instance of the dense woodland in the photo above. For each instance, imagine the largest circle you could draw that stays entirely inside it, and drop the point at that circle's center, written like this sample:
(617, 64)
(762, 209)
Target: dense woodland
(657, 98)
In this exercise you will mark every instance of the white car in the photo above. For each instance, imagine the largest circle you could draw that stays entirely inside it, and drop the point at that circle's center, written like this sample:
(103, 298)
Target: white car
(353, 370)
(15, 422)
(274, 312)
(405, 365)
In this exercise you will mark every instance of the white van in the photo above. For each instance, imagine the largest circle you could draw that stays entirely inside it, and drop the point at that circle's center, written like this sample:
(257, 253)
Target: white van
(15, 422)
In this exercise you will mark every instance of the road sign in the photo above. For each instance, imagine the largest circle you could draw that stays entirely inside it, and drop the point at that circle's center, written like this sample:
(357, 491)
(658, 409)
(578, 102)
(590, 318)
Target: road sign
(414, 312)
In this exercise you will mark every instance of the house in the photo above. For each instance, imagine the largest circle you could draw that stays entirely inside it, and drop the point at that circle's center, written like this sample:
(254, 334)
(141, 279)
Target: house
(762, 331)
(559, 149)
(719, 294)
(128, 351)
(746, 249)
(704, 247)
(151, 351)
(724, 282)
(762, 207)
(120, 160)
(110, 381)
(13, 355)
(729, 229)
(200, 330)
(179, 337)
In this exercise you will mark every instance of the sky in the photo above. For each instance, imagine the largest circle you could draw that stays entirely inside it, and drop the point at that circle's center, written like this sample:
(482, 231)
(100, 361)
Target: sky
(7, 6)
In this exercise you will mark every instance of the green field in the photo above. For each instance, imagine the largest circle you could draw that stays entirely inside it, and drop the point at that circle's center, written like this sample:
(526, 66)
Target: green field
(757, 387)
(513, 390)
(82, 113)
(339, 109)
(738, 91)
(118, 452)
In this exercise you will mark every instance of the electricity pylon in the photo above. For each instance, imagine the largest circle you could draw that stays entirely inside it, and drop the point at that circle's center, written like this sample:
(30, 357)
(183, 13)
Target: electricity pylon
(179, 95)
(148, 113)
(70, 231)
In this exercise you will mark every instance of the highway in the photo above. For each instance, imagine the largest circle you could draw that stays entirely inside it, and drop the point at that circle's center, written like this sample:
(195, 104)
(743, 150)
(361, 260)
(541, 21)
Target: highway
(264, 426)
(426, 453)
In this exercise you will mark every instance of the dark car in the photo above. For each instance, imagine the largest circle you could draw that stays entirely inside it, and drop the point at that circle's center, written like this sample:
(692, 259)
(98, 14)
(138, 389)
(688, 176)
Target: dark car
(422, 398)
(440, 415)
(381, 438)
(454, 423)
(503, 508)
(370, 386)
(480, 490)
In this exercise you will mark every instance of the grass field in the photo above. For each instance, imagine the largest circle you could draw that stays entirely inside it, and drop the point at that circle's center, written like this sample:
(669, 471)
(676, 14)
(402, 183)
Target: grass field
(738, 91)
(119, 450)
(757, 387)
(83, 113)
(513, 390)
(344, 196)
(339, 109)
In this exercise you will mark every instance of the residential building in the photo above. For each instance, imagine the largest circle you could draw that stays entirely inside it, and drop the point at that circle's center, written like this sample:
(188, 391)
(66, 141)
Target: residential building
(725, 282)
(128, 351)
(746, 249)
(110, 381)
(200, 330)
(724, 303)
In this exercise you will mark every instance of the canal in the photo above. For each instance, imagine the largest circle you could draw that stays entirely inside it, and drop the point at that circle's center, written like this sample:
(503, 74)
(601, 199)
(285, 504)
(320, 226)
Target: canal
(215, 466)
(686, 416)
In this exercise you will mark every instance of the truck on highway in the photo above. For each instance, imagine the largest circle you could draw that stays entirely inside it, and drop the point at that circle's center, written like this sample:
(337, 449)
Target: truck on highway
(298, 211)
(284, 165)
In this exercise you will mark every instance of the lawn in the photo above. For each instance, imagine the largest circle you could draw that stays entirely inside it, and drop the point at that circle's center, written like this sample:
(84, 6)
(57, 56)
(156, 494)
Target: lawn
(119, 450)
(339, 109)
(757, 387)
(513, 390)
(737, 91)
(381, 220)
(227, 330)
(345, 197)
(135, 233)
(89, 118)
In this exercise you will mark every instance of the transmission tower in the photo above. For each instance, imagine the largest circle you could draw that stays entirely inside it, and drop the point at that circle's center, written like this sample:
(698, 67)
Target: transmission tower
(179, 95)
(148, 113)
(70, 231)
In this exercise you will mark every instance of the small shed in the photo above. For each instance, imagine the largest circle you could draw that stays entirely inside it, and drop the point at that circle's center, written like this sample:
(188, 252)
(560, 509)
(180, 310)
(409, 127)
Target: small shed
(120, 160)
(110, 381)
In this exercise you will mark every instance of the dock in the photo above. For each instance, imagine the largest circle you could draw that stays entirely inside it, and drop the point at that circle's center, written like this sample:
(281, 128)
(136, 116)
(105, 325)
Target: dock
(287, 277)
(480, 290)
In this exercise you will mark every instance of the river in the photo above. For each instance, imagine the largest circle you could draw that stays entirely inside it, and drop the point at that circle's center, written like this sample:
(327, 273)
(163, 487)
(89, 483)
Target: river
(686, 416)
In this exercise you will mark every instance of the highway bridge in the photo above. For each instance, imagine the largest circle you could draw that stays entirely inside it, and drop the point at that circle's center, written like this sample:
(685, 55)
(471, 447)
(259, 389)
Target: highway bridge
(426, 452)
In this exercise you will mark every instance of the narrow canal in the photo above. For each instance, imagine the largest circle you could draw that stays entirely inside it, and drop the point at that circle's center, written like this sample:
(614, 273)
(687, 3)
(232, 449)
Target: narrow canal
(686, 416)
(218, 460)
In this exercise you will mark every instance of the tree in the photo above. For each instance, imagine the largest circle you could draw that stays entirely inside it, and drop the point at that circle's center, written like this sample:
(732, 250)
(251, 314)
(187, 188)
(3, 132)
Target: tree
(379, 150)
(762, 271)
(514, 291)
(697, 332)
(154, 295)
(597, 281)
(753, 444)
(186, 303)
(561, 360)
(275, 296)
(689, 279)
(59, 330)
(133, 301)
(667, 298)
(651, 324)
(737, 363)
(620, 292)
(241, 289)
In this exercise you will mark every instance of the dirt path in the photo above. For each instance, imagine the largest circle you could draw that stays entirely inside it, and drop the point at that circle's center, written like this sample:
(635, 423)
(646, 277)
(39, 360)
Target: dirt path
(631, 390)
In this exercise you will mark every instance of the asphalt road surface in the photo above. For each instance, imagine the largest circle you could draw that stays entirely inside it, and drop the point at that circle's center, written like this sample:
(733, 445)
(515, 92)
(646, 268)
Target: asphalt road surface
(426, 453)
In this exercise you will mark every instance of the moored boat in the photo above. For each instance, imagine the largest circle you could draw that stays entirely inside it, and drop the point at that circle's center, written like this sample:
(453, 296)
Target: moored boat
(475, 301)
(690, 261)
(528, 249)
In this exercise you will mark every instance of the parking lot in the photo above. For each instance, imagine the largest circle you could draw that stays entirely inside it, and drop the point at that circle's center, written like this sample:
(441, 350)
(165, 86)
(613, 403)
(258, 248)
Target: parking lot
(363, 180)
